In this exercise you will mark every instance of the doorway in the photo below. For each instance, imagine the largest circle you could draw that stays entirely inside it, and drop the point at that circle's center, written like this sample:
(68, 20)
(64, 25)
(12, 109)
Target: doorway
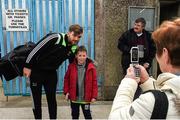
(169, 9)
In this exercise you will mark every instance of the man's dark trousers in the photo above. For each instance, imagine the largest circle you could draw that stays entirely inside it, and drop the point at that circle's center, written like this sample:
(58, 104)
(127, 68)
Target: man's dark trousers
(48, 79)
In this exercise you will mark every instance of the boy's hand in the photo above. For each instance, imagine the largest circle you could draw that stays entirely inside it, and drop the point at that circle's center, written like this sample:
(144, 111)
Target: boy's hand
(93, 100)
(67, 96)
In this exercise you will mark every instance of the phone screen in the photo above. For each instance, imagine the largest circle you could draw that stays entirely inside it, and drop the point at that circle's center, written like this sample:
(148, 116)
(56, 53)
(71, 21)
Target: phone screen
(134, 55)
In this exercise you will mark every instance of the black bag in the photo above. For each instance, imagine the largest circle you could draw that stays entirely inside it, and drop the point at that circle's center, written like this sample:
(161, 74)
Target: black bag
(160, 106)
(11, 65)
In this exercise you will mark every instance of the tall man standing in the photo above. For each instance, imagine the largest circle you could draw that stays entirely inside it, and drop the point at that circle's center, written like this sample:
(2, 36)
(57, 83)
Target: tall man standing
(137, 36)
(42, 63)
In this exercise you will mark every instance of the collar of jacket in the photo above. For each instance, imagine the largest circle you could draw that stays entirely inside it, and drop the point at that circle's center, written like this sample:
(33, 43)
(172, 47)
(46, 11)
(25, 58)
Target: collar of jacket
(89, 63)
(168, 81)
(143, 31)
(73, 47)
(65, 42)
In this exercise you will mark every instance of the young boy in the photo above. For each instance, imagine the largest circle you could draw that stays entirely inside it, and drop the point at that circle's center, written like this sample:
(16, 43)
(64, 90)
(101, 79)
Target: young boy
(80, 84)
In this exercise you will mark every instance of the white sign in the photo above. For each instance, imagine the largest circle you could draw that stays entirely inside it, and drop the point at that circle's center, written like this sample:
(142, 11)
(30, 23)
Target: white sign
(17, 20)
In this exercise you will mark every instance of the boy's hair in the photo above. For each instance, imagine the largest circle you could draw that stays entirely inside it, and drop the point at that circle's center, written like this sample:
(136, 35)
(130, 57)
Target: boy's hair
(142, 20)
(81, 48)
(77, 29)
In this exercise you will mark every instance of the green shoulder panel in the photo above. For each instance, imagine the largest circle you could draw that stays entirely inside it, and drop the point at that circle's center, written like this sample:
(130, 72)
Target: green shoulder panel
(73, 48)
(63, 39)
(64, 42)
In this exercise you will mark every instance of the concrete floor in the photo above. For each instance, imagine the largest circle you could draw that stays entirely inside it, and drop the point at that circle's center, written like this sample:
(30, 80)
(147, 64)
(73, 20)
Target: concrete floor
(20, 107)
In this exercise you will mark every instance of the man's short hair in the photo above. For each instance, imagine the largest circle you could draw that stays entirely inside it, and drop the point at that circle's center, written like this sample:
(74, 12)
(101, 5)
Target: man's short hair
(77, 29)
(142, 20)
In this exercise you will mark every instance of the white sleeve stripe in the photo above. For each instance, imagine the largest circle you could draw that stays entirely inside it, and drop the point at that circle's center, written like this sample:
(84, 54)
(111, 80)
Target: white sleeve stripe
(43, 42)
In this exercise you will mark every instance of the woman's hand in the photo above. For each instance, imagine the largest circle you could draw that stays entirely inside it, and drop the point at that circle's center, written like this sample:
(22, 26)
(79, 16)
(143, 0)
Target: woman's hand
(143, 74)
(131, 73)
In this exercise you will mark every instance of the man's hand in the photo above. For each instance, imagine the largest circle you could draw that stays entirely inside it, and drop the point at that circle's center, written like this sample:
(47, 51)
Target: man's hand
(146, 65)
(26, 72)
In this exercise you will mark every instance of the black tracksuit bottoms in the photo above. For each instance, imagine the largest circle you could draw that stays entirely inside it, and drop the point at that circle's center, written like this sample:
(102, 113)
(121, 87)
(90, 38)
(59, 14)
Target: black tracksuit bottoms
(47, 79)
(85, 108)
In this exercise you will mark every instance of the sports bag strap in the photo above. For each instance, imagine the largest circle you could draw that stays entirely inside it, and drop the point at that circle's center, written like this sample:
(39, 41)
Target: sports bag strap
(160, 106)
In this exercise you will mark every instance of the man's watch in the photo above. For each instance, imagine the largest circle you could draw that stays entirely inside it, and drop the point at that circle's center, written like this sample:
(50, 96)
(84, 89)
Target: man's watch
(147, 64)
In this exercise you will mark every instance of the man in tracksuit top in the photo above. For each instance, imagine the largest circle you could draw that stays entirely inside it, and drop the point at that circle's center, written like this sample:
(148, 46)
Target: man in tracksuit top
(42, 62)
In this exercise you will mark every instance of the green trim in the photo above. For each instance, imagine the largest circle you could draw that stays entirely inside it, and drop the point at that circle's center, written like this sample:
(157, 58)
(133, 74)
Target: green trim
(64, 42)
(63, 39)
(59, 39)
(73, 48)
(81, 102)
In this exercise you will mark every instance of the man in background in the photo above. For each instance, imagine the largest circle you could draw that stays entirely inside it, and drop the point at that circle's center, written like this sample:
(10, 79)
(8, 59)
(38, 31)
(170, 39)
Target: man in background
(137, 37)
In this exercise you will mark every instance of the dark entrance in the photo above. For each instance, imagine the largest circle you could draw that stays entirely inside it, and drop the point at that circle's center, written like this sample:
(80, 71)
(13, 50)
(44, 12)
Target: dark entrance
(169, 9)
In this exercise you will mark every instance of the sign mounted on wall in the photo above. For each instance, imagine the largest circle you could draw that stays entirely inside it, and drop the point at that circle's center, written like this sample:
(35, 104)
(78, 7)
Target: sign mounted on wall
(147, 12)
(17, 20)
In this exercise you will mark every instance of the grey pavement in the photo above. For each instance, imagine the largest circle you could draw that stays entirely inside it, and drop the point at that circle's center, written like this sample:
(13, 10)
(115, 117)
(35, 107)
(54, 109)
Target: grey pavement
(20, 107)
